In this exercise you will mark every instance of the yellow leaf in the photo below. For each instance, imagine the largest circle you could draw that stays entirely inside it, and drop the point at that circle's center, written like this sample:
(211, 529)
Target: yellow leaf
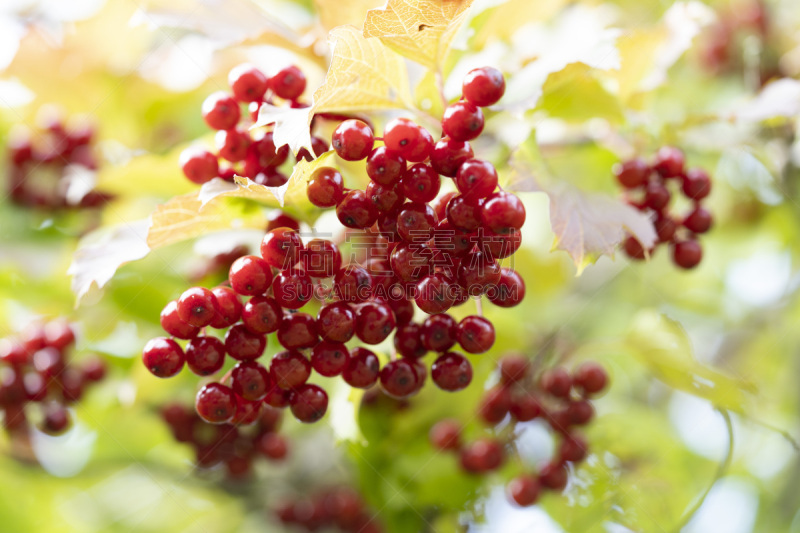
(428, 96)
(421, 30)
(576, 94)
(146, 174)
(636, 49)
(364, 75)
(502, 21)
(333, 13)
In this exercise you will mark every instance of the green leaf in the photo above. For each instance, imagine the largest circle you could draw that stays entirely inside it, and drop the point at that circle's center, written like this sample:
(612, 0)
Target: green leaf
(576, 94)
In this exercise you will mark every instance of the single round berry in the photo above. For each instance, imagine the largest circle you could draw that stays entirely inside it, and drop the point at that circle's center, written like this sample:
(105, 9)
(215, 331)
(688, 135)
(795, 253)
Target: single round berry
(173, 324)
(434, 294)
(438, 332)
(247, 412)
(248, 83)
(329, 358)
(634, 249)
(279, 219)
(408, 139)
(525, 407)
(665, 227)
(590, 377)
(554, 476)
(446, 435)
(309, 403)
(215, 403)
(408, 342)
(416, 222)
(263, 154)
(199, 165)
(448, 155)
(450, 244)
(462, 121)
(326, 187)
(353, 284)
(483, 86)
(243, 344)
(483, 455)
(514, 368)
(163, 357)
(698, 221)
(580, 412)
(289, 369)
(669, 162)
(362, 368)
(495, 405)
(411, 261)
(336, 322)
(197, 307)
(656, 196)
(573, 449)
(356, 210)
(509, 289)
(297, 331)
(205, 355)
(462, 214)
(352, 140)
(374, 322)
(262, 315)
(385, 167)
(273, 446)
(687, 254)
(556, 382)
(421, 183)
(230, 308)
(478, 273)
(398, 379)
(56, 419)
(387, 199)
(451, 372)
(289, 83)
(476, 179)
(250, 380)
(292, 289)
(697, 184)
(632, 173)
(221, 111)
(503, 212)
(524, 490)
(232, 145)
(321, 258)
(281, 248)
(250, 275)
(475, 334)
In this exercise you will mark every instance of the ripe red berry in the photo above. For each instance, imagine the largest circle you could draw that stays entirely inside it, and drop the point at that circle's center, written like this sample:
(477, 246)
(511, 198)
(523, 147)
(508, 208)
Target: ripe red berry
(669, 162)
(509, 289)
(573, 449)
(329, 358)
(230, 308)
(263, 154)
(483, 86)
(696, 184)
(656, 196)
(476, 179)
(309, 403)
(475, 334)
(353, 284)
(250, 380)
(374, 322)
(205, 355)
(197, 306)
(398, 379)
(462, 121)
(247, 83)
(410, 261)
(407, 341)
(632, 173)
(665, 227)
(289, 369)
(221, 111)
(247, 412)
(513, 368)
(215, 403)
(385, 167)
(438, 333)
(525, 407)
(56, 419)
(289, 83)
(483, 455)
(416, 222)
(495, 405)
(232, 144)
(250, 275)
(421, 183)
(281, 248)
(556, 382)
(553, 476)
(261, 315)
(318, 146)
(503, 212)
(698, 221)
(321, 258)
(633, 248)
(446, 434)
(362, 369)
(244, 345)
(580, 412)
(163, 357)
(478, 273)
(524, 490)
(273, 446)
(387, 199)
(410, 140)
(292, 289)
(462, 214)
(297, 331)
(356, 210)
(336, 322)
(687, 254)
(279, 219)
(173, 325)
(448, 155)
(451, 372)
(590, 377)
(199, 165)
(434, 294)
(326, 187)
(352, 140)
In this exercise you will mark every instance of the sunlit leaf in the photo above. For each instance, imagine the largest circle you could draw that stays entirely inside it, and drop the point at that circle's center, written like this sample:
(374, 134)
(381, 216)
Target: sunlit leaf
(503, 20)
(334, 13)
(291, 126)
(576, 94)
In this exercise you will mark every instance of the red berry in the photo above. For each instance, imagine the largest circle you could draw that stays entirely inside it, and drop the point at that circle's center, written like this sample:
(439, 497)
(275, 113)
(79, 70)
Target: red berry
(309, 403)
(462, 121)
(509, 289)
(352, 140)
(336, 322)
(94, 369)
(410, 140)
(656, 196)
(221, 111)
(246, 412)
(215, 403)
(281, 248)
(451, 372)
(205, 355)
(232, 144)
(407, 341)
(248, 83)
(263, 154)
(230, 308)
(279, 219)
(353, 284)
(297, 331)
(502, 212)
(244, 345)
(573, 449)
(362, 369)
(446, 434)
(669, 162)
(476, 179)
(374, 322)
(556, 382)
(416, 222)
(329, 358)
(665, 227)
(698, 221)
(495, 405)
(318, 146)
(261, 315)
(163, 357)
(398, 379)
(483, 86)
(387, 199)
(462, 214)
(250, 380)
(483, 455)
(525, 407)
(478, 273)
(289, 83)
(421, 183)
(633, 248)
(632, 173)
(173, 324)
(56, 419)
(385, 167)
(356, 210)
(514, 368)
(590, 377)
(434, 294)
(687, 254)
(197, 306)
(292, 288)
(272, 446)
(438, 333)
(499, 246)
(448, 155)
(321, 258)
(524, 490)
(289, 369)
(696, 184)
(475, 334)
(553, 476)
(579, 413)
(326, 187)
(250, 275)
(199, 165)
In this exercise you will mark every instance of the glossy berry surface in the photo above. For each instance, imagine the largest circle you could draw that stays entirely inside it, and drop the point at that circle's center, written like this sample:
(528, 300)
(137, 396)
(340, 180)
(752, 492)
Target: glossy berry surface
(483, 86)
(221, 111)
(250, 275)
(197, 307)
(288, 83)
(215, 403)
(309, 403)
(408, 139)
(451, 372)
(326, 187)
(384, 166)
(352, 140)
(163, 357)
(247, 83)
(463, 121)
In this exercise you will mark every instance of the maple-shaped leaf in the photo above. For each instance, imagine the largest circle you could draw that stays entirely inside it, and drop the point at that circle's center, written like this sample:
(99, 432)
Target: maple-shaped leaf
(421, 30)
(364, 75)
(292, 126)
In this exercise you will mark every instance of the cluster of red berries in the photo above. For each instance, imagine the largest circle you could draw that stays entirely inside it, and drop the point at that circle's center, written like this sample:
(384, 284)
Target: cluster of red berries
(646, 188)
(557, 397)
(719, 48)
(37, 175)
(230, 444)
(34, 370)
(335, 509)
(246, 153)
